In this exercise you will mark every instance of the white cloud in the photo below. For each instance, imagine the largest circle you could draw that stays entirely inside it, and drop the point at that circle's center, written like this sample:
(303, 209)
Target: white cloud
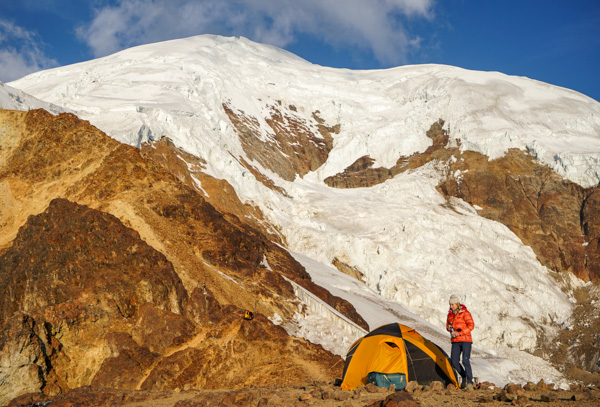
(374, 25)
(20, 52)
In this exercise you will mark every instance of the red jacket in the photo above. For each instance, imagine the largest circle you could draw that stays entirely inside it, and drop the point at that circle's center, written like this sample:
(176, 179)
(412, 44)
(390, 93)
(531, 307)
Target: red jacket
(462, 323)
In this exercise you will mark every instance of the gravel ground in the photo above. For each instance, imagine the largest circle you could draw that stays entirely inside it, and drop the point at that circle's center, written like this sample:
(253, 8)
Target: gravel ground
(324, 395)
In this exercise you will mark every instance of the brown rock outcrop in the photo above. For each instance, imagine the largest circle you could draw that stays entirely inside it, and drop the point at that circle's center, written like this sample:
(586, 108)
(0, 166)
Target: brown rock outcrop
(294, 147)
(24, 357)
(189, 169)
(557, 218)
(71, 250)
(577, 349)
(72, 275)
(97, 282)
(87, 301)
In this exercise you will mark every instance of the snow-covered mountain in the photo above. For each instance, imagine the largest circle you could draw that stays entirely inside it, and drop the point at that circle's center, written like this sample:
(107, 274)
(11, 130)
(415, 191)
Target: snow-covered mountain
(412, 248)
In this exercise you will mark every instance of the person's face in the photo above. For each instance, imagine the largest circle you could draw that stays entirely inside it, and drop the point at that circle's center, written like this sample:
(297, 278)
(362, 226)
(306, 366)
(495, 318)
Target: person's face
(453, 307)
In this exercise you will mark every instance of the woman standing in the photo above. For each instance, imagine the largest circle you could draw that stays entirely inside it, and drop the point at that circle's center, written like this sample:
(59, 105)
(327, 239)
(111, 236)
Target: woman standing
(460, 324)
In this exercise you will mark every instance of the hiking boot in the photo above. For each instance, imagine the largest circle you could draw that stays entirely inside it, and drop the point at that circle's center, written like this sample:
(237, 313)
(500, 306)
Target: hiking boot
(465, 383)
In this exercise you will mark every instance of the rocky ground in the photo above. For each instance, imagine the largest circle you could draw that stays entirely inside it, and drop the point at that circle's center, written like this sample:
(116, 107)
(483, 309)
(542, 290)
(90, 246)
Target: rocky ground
(325, 395)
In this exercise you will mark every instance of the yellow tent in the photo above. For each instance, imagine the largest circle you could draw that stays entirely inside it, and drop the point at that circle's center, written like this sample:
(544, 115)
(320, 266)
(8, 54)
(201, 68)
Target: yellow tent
(395, 348)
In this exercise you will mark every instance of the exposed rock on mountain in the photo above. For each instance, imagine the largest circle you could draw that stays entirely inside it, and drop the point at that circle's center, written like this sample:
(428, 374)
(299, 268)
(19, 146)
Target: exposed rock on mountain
(70, 250)
(292, 146)
(578, 348)
(189, 170)
(96, 282)
(72, 275)
(557, 218)
(362, 173)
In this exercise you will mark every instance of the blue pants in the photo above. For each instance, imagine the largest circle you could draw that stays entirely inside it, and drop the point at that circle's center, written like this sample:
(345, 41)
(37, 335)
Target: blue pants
(464, 370)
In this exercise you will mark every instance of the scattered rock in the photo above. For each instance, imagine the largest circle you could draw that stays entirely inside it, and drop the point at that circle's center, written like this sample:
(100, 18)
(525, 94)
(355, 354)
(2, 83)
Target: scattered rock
(521, 401)
(412, 386)
(371, 388)
(541, 386)
(576, 387)
(305, 396)
(549, 397)
(487, 386)
(316, 394)
(437, 386)
(512, 388)
(396, 399)
(504, 396)
(581, 395)
(341, 396)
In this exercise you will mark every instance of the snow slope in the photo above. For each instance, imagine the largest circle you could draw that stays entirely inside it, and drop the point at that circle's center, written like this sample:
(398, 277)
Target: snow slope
(15, 99)
(412, 248)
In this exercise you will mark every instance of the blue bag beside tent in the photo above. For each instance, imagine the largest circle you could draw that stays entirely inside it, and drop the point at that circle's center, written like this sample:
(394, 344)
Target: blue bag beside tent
(387, 379)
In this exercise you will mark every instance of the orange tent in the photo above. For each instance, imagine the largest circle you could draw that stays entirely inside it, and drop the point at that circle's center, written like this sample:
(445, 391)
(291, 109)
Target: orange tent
(395, 348)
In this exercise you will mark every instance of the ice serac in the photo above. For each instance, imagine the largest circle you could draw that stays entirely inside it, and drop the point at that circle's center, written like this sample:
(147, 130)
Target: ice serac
(557, 218)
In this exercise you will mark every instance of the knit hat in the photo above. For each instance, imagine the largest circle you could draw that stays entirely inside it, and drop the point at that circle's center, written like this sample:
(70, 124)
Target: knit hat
(454, 299)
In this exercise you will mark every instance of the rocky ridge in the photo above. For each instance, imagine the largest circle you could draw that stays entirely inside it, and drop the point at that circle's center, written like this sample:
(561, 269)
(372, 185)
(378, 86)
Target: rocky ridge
(118, 275)
(189, 170)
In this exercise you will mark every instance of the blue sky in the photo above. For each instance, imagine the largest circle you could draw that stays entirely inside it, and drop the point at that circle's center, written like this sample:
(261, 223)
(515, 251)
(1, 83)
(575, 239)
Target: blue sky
(548, 40)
